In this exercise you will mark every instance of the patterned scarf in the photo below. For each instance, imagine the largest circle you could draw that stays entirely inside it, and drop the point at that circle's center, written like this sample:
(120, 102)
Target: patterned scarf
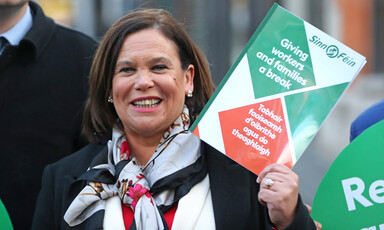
(175, 167)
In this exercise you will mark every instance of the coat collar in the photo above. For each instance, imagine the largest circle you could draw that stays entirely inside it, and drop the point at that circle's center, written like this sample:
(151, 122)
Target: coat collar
(41, 33)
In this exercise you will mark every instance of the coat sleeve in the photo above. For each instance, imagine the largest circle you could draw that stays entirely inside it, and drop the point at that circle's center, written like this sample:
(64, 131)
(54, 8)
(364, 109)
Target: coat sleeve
(302, 220)
(44, 209)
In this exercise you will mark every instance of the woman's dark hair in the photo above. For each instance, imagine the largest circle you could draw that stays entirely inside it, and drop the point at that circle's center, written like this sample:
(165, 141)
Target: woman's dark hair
(99, 115)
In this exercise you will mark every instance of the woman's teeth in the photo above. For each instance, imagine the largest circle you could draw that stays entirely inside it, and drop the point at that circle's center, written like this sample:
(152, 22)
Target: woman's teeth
(148, 103)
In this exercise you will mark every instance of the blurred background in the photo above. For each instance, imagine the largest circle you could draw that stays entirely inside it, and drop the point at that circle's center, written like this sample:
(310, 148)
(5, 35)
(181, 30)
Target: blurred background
(223, 27)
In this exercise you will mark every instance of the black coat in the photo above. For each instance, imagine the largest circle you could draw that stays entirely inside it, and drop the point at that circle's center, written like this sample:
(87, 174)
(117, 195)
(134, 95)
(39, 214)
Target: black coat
(233, 188)
(43, 87)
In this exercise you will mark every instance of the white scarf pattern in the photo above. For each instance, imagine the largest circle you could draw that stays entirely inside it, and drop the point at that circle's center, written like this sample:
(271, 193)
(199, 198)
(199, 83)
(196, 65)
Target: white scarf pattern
(177, 150)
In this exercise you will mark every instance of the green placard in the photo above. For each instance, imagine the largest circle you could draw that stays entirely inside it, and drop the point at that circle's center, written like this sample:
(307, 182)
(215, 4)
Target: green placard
(351, 194)
(5, 221)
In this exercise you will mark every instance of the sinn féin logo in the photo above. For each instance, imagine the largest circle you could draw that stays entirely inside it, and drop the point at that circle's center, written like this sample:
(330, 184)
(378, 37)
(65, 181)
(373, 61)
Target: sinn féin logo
(332, 51)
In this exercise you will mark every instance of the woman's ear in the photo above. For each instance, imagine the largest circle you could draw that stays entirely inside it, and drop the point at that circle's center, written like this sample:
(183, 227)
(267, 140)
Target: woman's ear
(189, 76)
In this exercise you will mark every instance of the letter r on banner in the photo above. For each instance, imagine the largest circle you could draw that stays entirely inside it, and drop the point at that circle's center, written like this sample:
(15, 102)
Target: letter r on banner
(351, 195)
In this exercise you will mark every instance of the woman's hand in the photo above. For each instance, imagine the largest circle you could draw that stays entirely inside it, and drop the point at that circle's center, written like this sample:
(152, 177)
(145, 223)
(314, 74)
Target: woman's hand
(279, 189)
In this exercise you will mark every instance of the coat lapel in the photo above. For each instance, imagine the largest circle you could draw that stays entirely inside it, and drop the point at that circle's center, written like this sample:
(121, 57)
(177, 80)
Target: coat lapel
(75, 185)
(231, 190)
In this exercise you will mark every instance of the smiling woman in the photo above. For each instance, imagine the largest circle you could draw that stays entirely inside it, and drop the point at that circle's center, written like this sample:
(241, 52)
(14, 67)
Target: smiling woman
(149, 88)
(100, 116)
(148, 83)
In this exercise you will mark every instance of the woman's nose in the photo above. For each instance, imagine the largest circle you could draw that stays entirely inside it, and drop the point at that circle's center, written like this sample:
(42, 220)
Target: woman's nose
(144, 80)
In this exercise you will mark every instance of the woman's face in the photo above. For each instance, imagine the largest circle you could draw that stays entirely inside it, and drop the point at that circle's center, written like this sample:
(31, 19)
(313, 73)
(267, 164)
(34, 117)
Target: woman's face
(149, 85)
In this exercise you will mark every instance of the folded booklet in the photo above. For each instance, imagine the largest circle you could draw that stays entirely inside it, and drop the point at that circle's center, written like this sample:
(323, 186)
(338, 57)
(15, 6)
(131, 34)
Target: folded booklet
(274, 98)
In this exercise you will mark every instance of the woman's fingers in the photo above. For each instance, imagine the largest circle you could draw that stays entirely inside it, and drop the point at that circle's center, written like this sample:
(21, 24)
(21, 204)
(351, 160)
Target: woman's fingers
(279, 192)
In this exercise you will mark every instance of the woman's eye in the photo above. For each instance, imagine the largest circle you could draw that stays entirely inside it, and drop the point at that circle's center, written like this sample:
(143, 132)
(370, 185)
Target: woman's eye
(159, 68)
(127, 69)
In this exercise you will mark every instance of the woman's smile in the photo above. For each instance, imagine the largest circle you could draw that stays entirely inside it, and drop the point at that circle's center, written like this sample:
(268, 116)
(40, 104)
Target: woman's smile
(146, 105)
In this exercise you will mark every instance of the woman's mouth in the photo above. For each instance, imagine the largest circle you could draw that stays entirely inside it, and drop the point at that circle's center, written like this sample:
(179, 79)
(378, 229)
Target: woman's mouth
(147, 103)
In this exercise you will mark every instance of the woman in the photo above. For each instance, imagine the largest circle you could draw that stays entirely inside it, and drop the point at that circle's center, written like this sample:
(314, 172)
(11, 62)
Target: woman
(148, 83)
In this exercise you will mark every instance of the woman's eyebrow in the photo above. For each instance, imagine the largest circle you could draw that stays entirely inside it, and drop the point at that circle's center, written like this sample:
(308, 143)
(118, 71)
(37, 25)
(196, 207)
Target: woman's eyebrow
(151, 61)
(123, 63)
(159, 59)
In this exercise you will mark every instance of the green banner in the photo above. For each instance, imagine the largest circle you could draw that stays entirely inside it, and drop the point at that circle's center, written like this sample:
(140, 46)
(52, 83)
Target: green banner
(351, 194)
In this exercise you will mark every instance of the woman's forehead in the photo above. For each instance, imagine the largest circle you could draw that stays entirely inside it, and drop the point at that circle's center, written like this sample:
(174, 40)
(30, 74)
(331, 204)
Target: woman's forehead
(148, 42)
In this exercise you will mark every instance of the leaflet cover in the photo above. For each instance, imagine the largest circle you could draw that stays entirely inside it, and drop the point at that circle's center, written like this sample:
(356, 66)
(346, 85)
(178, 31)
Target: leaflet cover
(274, 98)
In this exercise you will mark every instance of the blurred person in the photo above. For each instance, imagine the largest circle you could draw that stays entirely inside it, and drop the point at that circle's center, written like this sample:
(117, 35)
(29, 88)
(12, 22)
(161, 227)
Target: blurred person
(366, 119)
(43, 87)
(144, 169)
